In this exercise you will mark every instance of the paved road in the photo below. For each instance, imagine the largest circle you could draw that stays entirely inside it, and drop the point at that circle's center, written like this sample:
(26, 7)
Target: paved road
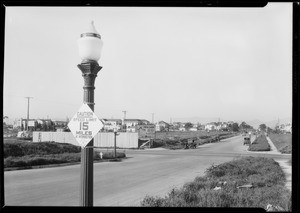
(152, 172)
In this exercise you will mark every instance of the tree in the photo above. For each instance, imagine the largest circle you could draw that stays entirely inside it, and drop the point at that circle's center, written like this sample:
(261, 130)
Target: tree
(188, 125)
(235, 127)
(263, 127)
(4, 117)
(245, 126)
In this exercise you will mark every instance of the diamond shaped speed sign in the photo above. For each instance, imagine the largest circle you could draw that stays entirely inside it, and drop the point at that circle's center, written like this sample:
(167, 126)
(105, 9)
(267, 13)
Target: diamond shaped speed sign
(85, 125)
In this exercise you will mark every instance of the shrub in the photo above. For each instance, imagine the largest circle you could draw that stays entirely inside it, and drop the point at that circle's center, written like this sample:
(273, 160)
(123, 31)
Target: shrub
(109, 155)
(157, 143)
(260, 144)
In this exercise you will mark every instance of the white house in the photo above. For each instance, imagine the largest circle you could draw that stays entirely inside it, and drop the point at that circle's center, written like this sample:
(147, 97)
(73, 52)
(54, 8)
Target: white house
(111, 124)
(132, 123)
(162, 126)
(210, 126)
(286, 127)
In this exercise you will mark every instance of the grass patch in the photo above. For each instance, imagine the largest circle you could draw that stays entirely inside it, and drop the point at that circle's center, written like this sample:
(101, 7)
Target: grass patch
(283, 142)
(20, 148)
(27, 154)
(260, 144)
(265, 176)
(36, 160)
(179, 143)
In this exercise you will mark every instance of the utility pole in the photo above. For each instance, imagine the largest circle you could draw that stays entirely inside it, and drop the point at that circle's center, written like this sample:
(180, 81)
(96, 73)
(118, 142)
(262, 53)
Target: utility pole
(27, 112)
(124, 117)
(152, 118)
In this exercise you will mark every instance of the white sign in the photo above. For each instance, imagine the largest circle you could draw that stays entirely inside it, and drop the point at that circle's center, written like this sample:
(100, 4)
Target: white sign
(31, 123)
(85, 125)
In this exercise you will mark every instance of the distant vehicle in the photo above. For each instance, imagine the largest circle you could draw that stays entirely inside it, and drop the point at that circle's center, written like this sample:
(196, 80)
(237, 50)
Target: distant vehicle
(191, 144)
(247, 140)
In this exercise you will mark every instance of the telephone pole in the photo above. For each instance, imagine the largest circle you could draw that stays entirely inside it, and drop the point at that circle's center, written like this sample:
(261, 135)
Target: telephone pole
(124, 117)
(27, 112)
(152, 118)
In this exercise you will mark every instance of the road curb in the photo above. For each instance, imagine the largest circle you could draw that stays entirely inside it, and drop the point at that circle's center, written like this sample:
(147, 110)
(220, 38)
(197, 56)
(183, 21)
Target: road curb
(55, 165)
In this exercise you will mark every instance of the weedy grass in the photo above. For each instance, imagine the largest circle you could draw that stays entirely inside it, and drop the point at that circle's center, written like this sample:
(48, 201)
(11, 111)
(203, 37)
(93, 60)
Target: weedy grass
(36, 160)
(27, 154)
(265, 176)
(283, 142)
(260, 144)
(21, 148)
(179, 143)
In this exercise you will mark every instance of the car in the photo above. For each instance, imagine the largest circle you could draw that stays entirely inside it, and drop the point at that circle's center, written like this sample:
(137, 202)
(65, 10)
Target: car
(247, 140)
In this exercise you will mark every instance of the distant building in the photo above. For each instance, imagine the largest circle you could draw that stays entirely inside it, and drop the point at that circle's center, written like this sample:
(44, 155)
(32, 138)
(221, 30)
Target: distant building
(132, 122)
(286, 128)
(145, 122)
(211, 126)
(162, 126)
(112, 124)
(145, 130)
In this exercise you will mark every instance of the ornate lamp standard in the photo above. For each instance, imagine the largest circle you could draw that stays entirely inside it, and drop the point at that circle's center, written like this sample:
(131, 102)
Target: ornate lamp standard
(89, 45)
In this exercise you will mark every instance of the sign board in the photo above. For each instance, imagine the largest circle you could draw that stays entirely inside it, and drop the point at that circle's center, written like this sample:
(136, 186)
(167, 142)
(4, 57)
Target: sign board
(31, 123)
(85, 125)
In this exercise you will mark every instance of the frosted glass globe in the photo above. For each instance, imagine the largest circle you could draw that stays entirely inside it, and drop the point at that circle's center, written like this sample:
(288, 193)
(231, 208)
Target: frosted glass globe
(90, 45)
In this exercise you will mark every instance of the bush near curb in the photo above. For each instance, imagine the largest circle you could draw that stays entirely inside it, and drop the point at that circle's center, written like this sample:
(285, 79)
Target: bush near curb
(110, 155)
(260, 144)
(219, 187)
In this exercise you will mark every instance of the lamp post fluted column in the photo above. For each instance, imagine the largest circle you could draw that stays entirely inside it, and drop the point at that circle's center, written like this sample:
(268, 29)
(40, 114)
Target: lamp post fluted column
(89, 71)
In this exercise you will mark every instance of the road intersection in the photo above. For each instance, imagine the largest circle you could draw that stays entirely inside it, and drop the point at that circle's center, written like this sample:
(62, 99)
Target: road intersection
(145, 172)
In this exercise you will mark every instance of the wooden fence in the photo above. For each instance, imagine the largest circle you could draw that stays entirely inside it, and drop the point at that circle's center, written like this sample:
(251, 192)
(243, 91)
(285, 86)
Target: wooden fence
(102, 139)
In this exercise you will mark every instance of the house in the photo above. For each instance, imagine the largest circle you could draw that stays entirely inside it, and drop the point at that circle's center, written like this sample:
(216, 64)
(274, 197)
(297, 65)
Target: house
(145, 122)
(211, 126)
(112, 124)
(286, 128)
(162, 126)
(194, 128)
(59, 123)
(132, 122)
(146, 130)
(176, 125)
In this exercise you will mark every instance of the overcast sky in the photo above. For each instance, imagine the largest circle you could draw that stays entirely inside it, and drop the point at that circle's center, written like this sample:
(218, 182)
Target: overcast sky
(231, 63)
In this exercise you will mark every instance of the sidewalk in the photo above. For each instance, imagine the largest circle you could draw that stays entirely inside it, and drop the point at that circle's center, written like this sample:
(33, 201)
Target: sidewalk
(273, 147)
(286, 167)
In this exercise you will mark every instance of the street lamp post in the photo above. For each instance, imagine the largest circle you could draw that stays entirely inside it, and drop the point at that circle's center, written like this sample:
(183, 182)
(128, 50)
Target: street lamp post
(89, 45)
